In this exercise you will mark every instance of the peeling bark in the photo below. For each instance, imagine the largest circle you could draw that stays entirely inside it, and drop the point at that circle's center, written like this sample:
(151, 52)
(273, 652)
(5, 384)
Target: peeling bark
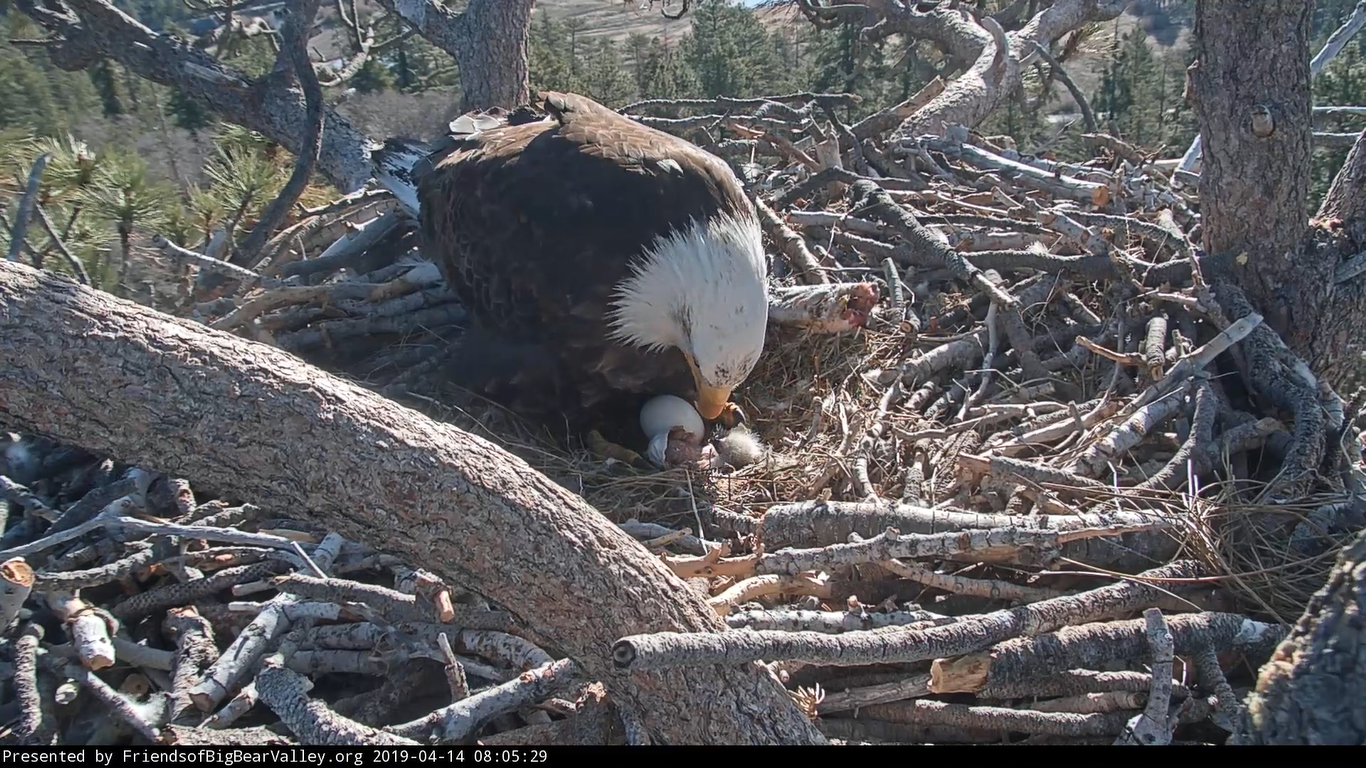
(110, 376)
(1310, 691)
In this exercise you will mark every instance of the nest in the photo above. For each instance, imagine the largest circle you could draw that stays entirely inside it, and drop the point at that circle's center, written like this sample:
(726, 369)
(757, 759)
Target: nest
(1006, 304)
(984, 392)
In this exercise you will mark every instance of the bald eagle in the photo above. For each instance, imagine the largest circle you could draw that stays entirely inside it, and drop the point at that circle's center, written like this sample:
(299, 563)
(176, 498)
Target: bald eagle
(601, 261)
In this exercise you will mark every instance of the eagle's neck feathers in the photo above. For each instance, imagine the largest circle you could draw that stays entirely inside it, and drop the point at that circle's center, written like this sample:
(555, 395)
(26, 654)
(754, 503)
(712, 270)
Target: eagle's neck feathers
(701, 288)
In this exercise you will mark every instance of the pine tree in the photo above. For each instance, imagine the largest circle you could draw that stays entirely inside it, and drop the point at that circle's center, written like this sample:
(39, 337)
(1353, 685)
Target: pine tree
(34, 93)
(605, 77)
(107, 83)
(1342, 83)
(548, 59)
(843, 62)
(374, 76)
(431, 67)
(638, 49)
(729, 51)
(573, 30)
(122, 194)
(1131, 91)
(667, 76)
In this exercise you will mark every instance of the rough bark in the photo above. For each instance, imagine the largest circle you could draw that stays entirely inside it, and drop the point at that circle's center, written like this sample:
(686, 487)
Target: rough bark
(1250, 83)
(1310, 691)
(1340, 236)
(970, 98)
(1346, 198)
(1251, 90)
(488, 40)
(88, 369)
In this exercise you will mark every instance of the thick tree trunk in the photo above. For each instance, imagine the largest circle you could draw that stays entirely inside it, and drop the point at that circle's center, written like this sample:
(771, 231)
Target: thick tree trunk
(493, 55)
(1340, 236)
(1251, 84)
(1250, 81)
(1311, 690)
(1346, 198)
(110, 376)
(488, 41)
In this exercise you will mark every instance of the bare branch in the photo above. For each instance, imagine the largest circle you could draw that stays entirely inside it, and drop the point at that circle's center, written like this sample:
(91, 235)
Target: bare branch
(99, 30)
(298, 22)
(26, 204)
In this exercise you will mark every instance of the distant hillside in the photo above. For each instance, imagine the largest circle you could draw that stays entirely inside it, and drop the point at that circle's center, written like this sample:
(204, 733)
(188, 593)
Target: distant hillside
(618, 20)
(1167, 33)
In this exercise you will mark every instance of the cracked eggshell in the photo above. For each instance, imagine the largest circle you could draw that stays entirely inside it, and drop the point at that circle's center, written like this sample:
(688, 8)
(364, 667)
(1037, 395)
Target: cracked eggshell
(658, 445)
(665, 412)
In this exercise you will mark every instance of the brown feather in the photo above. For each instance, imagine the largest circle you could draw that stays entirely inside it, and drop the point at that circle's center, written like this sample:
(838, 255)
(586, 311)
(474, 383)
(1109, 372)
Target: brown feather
(534, 225)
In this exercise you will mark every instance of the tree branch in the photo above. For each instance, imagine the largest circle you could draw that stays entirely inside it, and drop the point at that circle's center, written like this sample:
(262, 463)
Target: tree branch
(96, 30)
(971, 97)
(295, 42)
(26, 204)
(193, 402)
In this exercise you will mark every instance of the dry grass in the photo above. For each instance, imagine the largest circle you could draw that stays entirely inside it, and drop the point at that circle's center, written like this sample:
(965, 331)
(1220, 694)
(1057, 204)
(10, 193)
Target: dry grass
(809, 401)
(1248, 545)
(798, 376)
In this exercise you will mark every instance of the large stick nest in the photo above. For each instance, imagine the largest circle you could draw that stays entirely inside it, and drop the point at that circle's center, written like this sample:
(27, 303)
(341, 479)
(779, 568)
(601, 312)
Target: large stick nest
(903, 408)
(1045, 359)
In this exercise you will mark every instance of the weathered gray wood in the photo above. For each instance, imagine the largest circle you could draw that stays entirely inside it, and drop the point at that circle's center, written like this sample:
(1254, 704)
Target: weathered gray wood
(248, 420)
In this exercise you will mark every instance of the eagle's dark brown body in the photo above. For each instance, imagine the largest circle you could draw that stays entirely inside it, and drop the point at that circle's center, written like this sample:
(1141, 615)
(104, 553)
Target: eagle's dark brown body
(534, 225)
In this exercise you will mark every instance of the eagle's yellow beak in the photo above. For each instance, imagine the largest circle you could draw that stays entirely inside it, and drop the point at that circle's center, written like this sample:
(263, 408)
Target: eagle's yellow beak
(711, 401)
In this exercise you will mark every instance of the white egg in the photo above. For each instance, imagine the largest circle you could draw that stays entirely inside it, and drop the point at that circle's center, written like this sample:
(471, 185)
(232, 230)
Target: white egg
(665, 412)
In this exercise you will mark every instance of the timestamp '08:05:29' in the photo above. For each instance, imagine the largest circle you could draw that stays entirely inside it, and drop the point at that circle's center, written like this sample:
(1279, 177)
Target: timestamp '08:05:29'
(486, 756)
(478, 755)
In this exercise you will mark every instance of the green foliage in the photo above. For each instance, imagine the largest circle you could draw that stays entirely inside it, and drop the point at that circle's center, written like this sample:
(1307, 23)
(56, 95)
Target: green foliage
(1140, 95)
(373, 76)
(34, 93)
(93, 200)
(410, 64)
(184, 111)
(1343, 82)
(123, 193)
(606, 79)
(1130, 90)
(243, 179)
(107, 84)
(253, 56)
(187, 113)
(666, 75)
(730, 51)
(842, 62)
(550, 62)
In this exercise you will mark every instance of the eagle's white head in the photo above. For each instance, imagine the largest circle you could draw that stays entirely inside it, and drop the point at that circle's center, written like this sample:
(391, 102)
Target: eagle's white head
(704, 289)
